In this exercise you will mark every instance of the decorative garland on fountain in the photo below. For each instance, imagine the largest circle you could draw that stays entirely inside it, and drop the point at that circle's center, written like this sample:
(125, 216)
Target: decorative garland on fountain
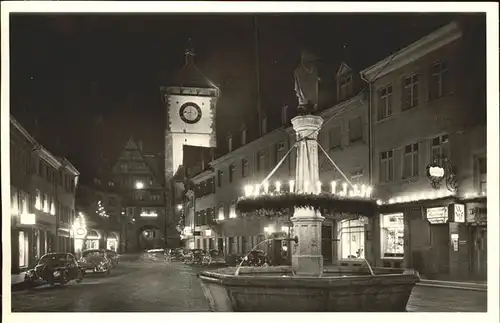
(283, 204)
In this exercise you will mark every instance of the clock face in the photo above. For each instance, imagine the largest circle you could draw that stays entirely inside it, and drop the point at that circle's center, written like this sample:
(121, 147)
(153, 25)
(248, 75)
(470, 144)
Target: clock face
(190, 113)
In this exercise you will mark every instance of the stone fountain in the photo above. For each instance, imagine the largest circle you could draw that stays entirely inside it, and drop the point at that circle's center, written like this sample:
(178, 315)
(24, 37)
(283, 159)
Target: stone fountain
(306, 286)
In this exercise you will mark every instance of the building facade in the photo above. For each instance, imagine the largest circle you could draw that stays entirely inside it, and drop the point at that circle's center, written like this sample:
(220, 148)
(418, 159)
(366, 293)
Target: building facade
(100, 205)
(426, 116)
(415, 132)
(140, 184)
(42, 200)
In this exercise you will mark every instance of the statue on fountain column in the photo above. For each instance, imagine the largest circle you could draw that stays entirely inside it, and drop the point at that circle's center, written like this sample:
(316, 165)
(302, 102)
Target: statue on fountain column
(306, 84)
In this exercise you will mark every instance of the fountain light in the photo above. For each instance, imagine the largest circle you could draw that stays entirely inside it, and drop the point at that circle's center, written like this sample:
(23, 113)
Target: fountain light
(379, 202)
(256, 190)
(355, 190)
(278, 186)
(306, 187)
(334, 186)
(318, 187)
(399, 199)
(344, 189)
(266, 187)
(291, 184)
(363, 190)
(392, 201)
(248, 190)
(368, 192)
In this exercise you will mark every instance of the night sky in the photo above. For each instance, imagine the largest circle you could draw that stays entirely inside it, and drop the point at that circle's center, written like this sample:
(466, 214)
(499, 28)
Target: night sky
(83, 84)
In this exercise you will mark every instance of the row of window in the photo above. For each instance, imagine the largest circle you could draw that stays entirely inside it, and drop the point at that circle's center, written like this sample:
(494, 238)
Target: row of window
(54, 176)
(20, 203)
(439, 86)
(411, 157)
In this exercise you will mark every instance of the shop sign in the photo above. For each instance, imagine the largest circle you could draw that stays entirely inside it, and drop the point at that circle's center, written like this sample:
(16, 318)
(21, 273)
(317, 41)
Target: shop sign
(437, 215)
(459, 213)
(28, 218)
(80, 232)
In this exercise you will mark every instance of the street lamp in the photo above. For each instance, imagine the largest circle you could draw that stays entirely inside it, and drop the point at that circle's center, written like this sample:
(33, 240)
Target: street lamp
(139, 185)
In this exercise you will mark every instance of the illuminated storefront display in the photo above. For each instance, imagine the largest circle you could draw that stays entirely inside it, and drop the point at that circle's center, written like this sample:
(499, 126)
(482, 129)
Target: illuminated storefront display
(352, 239)
(392, 235)
(79, 232)
(112, 242)
(23, 249)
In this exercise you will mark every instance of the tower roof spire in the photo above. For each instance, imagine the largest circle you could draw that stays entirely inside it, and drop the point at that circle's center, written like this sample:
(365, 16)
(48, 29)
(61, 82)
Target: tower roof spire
(189, 52)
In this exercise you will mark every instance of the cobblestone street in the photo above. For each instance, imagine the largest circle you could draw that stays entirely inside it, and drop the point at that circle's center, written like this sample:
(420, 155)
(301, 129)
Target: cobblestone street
(136, 286)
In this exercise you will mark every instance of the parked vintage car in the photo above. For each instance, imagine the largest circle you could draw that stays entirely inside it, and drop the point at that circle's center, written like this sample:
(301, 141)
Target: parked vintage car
(176, 254)
(54, 268)
(213, 257)
(256, 258)
(154, 255)
(113, 256)
(95, 261)
(194, 257)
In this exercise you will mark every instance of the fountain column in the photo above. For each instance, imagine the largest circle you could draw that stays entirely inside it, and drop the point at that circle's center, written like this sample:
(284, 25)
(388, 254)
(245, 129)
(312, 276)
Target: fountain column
(306, 256)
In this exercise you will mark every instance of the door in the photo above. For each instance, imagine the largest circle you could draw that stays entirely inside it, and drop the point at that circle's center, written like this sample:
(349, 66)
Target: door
(440, 248)
(326, 243)
(220, 244)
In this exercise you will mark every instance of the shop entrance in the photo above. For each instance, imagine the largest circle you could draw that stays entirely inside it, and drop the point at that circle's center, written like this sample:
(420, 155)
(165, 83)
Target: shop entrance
(479, 254)
(440, 249)
(326, 243)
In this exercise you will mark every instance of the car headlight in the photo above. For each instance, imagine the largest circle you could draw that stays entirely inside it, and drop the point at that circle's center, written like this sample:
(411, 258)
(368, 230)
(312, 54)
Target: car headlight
(56, 274)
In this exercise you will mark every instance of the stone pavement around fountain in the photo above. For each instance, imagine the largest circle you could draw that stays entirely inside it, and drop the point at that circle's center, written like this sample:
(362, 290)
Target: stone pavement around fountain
(136, 286)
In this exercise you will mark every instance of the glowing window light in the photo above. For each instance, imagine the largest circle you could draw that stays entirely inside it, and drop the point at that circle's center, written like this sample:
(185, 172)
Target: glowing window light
(149, 214)
(379, 202)
(208, 232)
(392, 201)
(355, 190)
(266, 187)
(318, 187)
(292, 186)
(284, 229)
(139, 185)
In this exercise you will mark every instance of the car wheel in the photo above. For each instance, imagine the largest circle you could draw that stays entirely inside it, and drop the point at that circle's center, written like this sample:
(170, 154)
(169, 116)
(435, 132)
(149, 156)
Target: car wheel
(79, 277)
(64, 278)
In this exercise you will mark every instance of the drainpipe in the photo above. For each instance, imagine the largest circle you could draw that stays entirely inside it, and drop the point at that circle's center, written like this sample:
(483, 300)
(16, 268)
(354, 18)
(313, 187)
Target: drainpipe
(370, 152)
(370, 130)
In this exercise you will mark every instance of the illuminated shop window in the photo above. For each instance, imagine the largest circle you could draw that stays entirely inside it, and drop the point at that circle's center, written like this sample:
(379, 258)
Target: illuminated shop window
(352, 239)
(392, 235)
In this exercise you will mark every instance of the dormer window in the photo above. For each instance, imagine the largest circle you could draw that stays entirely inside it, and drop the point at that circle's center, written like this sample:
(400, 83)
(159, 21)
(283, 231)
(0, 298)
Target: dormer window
(229, 142)
(243, 135)
(344, 86)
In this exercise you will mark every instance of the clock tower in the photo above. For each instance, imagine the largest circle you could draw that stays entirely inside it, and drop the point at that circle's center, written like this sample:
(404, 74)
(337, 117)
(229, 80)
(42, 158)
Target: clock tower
(190, 105)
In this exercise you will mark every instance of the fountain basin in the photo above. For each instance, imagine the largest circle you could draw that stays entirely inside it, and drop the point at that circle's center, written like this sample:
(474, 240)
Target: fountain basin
(277, 289)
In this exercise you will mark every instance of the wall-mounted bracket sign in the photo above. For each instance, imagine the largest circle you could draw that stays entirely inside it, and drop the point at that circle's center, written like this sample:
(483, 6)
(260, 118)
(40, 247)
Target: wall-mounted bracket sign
(437, 215)
(442, 169)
